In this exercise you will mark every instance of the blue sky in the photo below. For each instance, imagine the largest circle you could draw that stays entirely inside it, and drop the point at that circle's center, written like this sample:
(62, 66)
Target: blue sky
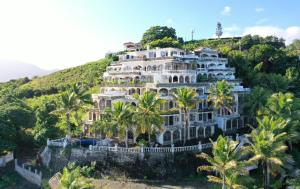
(62, 33)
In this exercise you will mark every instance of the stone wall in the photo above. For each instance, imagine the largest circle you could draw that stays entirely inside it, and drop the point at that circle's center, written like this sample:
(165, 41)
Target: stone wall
(34, 177)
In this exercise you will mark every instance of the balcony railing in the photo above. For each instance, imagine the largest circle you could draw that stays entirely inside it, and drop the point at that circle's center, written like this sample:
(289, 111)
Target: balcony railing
(125, 84)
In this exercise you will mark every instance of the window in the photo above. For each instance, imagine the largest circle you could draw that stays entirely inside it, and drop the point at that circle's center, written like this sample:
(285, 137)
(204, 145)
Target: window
(167, 136)
(192, 117)
(200, 117)
(193, 132)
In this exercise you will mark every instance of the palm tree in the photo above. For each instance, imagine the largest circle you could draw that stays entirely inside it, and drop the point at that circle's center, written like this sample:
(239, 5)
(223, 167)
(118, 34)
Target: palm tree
(221, 96)
(267, 146)
(285, 106)
(147, 114)
(121, 118)
(72, 178)
(225, 160)
(71, 102)
(186, 100)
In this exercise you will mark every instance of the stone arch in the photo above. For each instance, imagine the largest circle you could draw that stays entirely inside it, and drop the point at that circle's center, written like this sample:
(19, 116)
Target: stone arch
(176, 135)
(149, 68)
(187, 79)
(133, 103)
(163, 92)
(175, 79)
(167, 136)
(202, 66)
(138, 91)
(131, 91)
(181, 79)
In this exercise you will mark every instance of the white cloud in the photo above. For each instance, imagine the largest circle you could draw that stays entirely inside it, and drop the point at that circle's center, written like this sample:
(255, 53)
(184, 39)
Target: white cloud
(259, 9)
(262, 21)
(230, 31)
(170, 21)
(289, 34)
(226, 11)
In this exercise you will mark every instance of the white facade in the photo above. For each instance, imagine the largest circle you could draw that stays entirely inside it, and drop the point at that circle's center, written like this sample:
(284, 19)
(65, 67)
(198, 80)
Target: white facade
(163, 71)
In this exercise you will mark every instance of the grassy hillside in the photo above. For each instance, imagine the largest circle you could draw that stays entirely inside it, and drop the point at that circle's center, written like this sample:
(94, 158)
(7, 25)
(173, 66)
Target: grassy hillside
(89, 74)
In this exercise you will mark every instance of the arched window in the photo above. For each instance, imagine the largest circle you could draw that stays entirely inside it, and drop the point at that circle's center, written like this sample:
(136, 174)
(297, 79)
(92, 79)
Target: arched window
(167, 136)
(192, 132)
(181, 80)
(163, 92)
(175, 79)
(171, 105)
(170, 79)
(187, 79)
(130, 135)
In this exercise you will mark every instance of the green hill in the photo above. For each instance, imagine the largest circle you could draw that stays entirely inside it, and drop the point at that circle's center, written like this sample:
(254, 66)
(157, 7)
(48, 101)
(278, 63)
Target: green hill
(88, 74)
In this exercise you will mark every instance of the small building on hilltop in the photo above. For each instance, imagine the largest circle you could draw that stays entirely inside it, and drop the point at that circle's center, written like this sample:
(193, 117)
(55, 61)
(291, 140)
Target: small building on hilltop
(163, 70)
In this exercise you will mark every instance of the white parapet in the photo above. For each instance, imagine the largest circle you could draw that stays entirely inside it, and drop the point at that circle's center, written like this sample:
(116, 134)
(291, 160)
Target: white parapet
(34, 177)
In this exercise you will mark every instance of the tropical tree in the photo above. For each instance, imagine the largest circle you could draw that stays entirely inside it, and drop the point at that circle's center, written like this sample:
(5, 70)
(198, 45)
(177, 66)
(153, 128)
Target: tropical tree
(186, 100)
(121, 118)
(268, 148)
(256, 100)
(221, 96)
(71, 102)
(226, 161)
(104, 126)
(73, 177)
(285, 106)
(147, 114)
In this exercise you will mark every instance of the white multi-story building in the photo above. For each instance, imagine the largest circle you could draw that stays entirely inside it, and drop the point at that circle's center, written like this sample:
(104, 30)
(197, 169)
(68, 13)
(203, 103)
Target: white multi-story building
(163, 70)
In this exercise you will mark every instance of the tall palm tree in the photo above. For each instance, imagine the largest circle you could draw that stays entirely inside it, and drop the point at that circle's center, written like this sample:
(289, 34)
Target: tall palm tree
(268, 148)
(225, 160)
(221, 96)
(186, 100)
(285, 106)
(71, 102)
(121, 117)
(147, 114)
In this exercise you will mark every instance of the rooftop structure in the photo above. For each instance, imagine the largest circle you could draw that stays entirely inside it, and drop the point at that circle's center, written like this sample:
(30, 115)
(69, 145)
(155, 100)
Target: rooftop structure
(163, 70)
